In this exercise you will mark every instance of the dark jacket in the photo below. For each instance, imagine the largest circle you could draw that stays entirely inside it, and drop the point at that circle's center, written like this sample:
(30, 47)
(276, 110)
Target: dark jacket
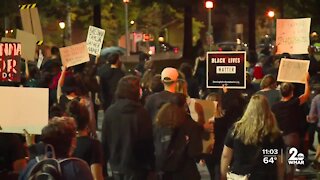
(127, 137)
(188, 169)
(155, 101)
(109, 80)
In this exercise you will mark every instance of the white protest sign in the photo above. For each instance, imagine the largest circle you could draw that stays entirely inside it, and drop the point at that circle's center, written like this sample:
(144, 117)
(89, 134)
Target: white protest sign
(23, 108)
(74, 55)
(293, 70)
(28, 44)
(4, 39)
(293, 35)
(94, 40)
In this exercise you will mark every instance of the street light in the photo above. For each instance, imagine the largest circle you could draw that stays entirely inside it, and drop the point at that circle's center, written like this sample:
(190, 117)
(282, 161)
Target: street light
(126, 2)
(62, 26)
(209, 6)
(271, 14)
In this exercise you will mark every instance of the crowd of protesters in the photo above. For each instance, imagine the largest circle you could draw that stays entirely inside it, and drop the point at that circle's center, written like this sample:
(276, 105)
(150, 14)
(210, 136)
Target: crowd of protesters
(146, 112)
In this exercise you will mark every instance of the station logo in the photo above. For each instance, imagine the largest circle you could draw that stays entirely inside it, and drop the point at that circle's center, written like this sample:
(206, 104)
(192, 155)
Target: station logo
(295, 158)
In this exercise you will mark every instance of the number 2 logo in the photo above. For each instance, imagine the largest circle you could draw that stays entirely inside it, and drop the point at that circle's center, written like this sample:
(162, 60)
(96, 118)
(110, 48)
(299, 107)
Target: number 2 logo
(294, 156)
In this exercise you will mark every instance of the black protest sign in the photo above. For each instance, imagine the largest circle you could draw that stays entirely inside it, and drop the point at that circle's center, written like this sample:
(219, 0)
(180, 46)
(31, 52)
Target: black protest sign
(10, 56)
(226, 68)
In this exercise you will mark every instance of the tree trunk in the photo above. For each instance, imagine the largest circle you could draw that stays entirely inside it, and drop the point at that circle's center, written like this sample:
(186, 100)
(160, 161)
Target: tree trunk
(97, 14)
(281, 7)
(187, 40)
(252, 30)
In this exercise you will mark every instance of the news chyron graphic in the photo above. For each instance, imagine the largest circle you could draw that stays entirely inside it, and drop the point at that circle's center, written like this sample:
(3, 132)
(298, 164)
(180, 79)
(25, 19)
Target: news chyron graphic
(295, 158)
(271, 156)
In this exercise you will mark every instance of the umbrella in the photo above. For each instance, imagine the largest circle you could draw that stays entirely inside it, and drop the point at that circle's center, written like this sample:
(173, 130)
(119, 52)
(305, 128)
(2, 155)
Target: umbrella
(105, 52)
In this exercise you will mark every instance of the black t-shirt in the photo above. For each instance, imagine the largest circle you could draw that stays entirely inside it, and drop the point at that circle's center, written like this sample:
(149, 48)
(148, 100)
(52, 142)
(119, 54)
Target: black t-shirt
(287, 115)
(64, 100)
(221, 127)
(248, 159)
(272, 95)
(88, 149)
(193, 88)
(11, 149)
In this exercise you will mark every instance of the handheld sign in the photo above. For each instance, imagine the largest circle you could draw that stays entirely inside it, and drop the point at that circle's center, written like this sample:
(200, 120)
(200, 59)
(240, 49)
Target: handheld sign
(74, 55)
(202, 111)
(293, 35)
(4, 39)
(94, 40)
(293, 70)
(10, 55)
(23, 108)
(226, 68)
(31, 21)
(28, 44)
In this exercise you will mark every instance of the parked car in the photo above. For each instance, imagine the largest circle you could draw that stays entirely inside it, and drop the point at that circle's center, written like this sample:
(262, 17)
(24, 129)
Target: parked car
(231, 46)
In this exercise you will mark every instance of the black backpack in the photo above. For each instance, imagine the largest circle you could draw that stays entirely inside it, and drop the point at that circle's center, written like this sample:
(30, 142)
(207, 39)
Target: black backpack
(48, 167)
(170, 148)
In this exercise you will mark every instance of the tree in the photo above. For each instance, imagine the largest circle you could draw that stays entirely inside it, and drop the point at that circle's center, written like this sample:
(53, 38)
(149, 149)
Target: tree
(299, 9)
(187, 7)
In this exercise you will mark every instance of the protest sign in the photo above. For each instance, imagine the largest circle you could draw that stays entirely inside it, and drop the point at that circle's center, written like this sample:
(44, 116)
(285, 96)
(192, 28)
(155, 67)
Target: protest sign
(74, 55)
(202, 111)
(28, 44)
(226, 68)
(23, 108)
(293, 35)
(10, 57)
(94, 40)
(4, 39)
(293, 70)
(31, 21)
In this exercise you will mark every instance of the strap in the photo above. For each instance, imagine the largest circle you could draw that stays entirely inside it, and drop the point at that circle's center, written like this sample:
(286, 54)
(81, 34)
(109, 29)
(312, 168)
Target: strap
(72, 158)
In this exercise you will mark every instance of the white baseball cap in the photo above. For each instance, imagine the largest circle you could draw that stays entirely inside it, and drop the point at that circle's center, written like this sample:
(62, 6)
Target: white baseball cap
(169, 74)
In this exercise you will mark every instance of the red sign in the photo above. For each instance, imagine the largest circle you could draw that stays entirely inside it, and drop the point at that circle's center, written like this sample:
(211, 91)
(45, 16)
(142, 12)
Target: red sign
(10, 56)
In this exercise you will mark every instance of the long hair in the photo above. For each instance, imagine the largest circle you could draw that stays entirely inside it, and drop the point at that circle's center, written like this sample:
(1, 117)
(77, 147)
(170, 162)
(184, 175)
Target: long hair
(215, 97)
(146, 79)
(257, 122)
(182, 85)
(170, 115)
(79, 112)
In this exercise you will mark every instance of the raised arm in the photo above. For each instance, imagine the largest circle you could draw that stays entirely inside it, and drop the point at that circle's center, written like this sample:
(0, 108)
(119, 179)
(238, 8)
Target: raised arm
(27, 69)
(195, 67)
(305, 96)
(60, 83)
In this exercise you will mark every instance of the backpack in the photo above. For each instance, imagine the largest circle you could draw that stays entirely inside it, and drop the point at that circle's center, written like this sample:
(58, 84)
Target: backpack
(170, 148)
(48, 167)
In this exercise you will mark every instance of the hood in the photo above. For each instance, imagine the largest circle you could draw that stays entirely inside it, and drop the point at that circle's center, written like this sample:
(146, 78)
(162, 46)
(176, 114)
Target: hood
(126, 105)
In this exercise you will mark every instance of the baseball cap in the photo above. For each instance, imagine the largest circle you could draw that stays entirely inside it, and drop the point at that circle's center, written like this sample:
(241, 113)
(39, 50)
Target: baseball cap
(169, 74)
